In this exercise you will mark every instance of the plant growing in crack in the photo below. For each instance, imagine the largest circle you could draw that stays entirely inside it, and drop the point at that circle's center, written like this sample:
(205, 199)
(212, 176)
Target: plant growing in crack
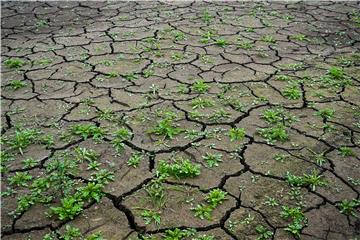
(135, 159)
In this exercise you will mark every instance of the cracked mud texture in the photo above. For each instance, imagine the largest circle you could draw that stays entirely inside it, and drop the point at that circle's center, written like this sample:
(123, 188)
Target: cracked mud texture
(133, 64)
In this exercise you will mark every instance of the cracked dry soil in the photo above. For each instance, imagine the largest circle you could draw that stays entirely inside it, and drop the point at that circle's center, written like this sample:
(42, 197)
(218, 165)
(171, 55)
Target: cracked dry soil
(103, 103)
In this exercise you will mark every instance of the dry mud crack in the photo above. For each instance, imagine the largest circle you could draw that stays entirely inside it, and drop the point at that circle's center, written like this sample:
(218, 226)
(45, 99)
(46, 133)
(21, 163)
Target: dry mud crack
(180, 120)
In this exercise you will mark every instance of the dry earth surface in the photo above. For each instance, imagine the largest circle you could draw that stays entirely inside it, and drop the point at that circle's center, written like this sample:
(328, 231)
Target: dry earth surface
(180, 120)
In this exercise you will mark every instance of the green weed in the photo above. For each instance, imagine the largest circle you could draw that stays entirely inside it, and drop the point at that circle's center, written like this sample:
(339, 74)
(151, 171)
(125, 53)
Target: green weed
(181, 168)
(14, 63)
(17, 84)
(237, 134)
(212, 160)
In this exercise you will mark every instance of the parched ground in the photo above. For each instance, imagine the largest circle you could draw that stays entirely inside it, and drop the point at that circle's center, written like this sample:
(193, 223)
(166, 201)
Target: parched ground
(180, 120)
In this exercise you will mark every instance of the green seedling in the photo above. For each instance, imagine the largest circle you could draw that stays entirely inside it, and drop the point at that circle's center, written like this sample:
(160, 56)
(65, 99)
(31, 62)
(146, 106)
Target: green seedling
(92, 191)
(17, 84)
(181, 168)
(244, 44)
(326, 113)
(295, 228)
(112, 74)
(131, 76)
(203, 211)
(14, 63)
(88, 130)
(346, 152)
(312, 180)
(206, 17)
(69, 209)
(156, 191)
(201, 103)
(215, 197)
(179, 36)
(84, 154)
(177, 56)
(220, 42)
(178, 234)
(219, 115)
(273, 134)
(300, 37)
(134, 160)
(283, 78)
(212, 160)
(29, 162)
(150, 216)
(166, 128)
(200, 87)
(292, 92)
(106, 114)
(263, 233)
(23, 138)
(237, 134)
(20, 179)
(336, 73)
(348, 207)
(268, 39)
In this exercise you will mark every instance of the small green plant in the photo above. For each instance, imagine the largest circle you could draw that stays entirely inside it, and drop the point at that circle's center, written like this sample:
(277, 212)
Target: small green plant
(212, 160)
(131, 76)
(292, 92)
(84, 154)
(312, 180)
(263, 232)
(336, 73)
(348, 207)
(273, 134)
(298, 220)
(237, 134)
(179, 36)
(201, 103)
(326, 113)
(112, 74)
(216, 197)
(283, 78)
(69, 209)
(178, 234)
(177, 56)
(30, 162)
(120, 136)
(200, 87)
(23, 138)
(14, 63)
(166, 128)
(268, 39)
(220, 42)
(243, 44)
(156, 191)
(150, 216)
(273, 116)
(17, 84)
(106, 114)
(203, 211)
(88, 130)
(346, 152)
(134, 160)
(206, 17)
(20, 179)
(181, 168)
(300, 37)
